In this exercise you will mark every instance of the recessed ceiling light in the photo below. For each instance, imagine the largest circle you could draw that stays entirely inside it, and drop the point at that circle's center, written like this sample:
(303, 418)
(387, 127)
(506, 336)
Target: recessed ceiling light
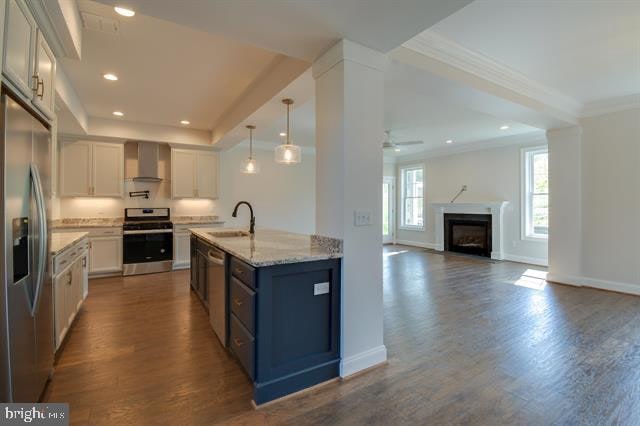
(124, 11)
(110, 77)
(396, 149)
(283, 134)
(505, 127)
(185, 122)
(449, 141)
(118, 113)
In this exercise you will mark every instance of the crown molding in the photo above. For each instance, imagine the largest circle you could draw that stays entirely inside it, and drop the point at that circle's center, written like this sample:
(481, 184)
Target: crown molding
(535, 137)
(444, 50)
(607, 106)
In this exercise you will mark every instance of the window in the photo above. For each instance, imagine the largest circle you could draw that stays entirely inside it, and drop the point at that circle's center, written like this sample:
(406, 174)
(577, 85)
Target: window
(412, 197)
(535, 194)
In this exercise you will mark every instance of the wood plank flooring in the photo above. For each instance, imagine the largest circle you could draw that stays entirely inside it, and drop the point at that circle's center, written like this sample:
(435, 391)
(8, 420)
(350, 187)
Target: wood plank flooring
(468, 341)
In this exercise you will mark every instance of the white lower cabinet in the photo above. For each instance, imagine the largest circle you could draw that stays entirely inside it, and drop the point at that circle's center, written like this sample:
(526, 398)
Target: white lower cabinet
(105, 249)
(70, 288)
(181, 250)
(106, 255)
(182, 243)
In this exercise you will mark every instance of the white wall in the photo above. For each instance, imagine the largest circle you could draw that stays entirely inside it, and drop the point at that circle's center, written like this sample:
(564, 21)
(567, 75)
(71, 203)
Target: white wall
(282, 196)
(611, 197)
(490, 175)
(609, 202)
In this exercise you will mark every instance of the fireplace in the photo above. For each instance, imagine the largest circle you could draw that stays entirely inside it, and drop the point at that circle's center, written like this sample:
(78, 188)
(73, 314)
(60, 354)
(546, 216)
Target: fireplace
(468, 233)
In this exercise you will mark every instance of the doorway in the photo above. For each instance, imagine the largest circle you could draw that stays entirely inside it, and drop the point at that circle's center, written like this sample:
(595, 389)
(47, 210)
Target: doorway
(388, 210)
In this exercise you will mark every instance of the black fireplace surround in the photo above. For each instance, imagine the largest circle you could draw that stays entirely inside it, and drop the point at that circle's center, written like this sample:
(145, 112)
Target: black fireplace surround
(468, 233)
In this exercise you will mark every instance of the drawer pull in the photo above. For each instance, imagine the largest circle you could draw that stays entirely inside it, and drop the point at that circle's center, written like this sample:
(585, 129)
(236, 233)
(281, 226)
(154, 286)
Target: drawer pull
(238, 302)
(238, 271)
(238, 342)
(62, 262)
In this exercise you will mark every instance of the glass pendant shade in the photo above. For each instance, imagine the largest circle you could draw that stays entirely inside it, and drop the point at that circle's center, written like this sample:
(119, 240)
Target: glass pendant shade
(288, 154)
(250, 166)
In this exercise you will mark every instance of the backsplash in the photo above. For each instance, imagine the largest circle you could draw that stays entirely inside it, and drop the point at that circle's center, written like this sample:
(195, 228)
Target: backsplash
(92, 207)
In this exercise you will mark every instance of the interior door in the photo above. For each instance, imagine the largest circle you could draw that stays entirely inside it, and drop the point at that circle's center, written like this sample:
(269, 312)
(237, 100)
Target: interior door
(388, 210)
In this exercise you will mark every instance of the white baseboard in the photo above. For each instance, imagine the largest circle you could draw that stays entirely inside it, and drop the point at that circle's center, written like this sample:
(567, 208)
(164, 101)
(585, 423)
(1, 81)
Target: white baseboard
(416, 244)
(362, 361)
(617, 286)
(525, 259)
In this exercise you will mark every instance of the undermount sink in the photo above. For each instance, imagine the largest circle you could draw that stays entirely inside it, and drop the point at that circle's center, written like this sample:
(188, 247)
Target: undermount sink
(229, 234)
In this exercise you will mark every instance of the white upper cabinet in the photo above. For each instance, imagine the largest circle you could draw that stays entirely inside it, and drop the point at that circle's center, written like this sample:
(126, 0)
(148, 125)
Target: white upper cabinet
(19, 47)
(91, 169)
(108, 170)
(45, 94)
(28, 63)
(207, 175)
(194, 174)
(75, 169)
(183, 177)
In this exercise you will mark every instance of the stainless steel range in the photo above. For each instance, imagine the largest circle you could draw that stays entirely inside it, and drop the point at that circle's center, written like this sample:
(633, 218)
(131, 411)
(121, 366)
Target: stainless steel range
(147, 241)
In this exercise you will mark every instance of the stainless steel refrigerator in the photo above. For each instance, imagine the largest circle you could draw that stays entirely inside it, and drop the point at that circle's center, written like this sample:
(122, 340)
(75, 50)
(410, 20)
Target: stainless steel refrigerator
(26, 297)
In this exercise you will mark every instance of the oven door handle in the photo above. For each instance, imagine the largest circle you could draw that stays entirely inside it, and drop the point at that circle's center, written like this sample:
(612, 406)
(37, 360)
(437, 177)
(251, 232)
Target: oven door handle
(148, 231)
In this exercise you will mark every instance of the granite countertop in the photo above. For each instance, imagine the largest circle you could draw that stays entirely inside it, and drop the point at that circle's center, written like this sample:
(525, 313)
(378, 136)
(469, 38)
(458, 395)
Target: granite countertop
(195, 220)
(60, 241)
(115, 222)
(269, 247)
(91, 222)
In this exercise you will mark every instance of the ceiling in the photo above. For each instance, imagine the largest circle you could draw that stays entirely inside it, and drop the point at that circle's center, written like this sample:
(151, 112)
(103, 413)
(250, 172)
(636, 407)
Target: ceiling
(588, 50)
(302, 28)
(167, 72)
(417, 107)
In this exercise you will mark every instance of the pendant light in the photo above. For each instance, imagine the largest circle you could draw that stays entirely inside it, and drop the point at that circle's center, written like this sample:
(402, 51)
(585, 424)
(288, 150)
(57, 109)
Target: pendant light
(288, 153)
(250, 166)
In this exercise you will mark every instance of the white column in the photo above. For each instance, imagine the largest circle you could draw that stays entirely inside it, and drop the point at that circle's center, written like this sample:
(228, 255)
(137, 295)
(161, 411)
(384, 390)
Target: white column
(349, 131)
(565, 204)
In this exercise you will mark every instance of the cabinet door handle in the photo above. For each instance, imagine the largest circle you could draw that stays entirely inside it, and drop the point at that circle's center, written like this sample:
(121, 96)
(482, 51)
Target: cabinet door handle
(238, 302)
(238, 342)
(35, 82)
(40, 85)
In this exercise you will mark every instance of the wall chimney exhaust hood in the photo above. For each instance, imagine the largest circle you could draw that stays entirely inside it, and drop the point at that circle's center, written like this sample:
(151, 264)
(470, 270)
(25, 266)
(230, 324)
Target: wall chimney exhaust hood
(148, 157)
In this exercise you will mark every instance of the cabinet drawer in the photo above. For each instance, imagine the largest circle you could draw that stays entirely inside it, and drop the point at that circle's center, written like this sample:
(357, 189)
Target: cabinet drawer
(243, 345)
(243, 304)
(243, 272)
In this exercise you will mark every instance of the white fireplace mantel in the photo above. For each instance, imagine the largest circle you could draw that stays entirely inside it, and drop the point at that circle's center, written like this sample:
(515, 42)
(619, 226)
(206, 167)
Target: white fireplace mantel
(494, 208)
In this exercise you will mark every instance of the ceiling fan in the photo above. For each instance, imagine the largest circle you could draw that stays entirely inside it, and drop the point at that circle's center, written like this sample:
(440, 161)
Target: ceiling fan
(389, 144)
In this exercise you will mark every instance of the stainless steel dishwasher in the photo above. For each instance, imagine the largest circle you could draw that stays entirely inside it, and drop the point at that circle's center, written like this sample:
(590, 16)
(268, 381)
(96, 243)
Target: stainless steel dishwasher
(217, 292)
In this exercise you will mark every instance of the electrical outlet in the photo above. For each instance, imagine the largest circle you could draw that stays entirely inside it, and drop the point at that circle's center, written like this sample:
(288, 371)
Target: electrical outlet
(362, 217)
(320, 288)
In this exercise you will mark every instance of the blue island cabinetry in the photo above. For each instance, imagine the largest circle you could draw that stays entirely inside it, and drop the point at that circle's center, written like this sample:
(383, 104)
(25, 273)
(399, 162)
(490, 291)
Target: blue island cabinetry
(284, 323)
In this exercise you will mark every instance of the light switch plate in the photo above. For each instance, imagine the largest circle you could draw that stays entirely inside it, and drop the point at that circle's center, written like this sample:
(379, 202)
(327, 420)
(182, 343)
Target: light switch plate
(362, 217)
(320, 288)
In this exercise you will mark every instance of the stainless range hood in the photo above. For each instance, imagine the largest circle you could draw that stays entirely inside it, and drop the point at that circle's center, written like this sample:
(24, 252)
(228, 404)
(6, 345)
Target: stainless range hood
(148, 157)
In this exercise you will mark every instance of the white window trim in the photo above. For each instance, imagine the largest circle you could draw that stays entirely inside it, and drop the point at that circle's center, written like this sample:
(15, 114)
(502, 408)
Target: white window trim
(401, 171)
(525, 180)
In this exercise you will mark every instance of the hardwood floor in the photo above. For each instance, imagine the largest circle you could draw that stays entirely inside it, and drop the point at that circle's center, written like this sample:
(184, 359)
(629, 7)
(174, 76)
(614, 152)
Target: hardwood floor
(469, 341)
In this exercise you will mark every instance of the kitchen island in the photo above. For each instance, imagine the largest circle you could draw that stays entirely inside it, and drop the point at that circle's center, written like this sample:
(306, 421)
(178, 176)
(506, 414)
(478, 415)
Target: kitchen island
(274, 300)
